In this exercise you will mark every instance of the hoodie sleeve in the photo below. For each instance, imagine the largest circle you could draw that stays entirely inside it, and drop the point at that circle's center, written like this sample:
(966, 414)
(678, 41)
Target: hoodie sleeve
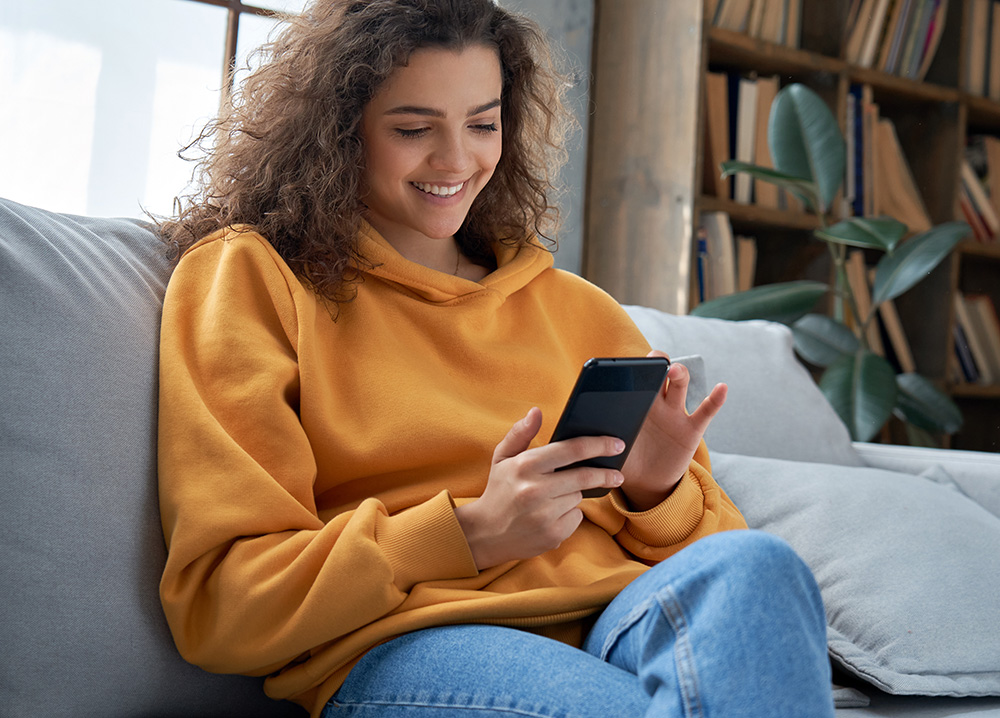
(254, 576)
(697, 507)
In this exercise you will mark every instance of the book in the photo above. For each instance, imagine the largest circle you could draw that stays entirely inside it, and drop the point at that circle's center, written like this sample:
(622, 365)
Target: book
(993, 85)
(756, 19)
(873, 33)
(717, 134)
(933, 39)
(857, 155)
(971, 183)
(919, 32)
(720, 265)
(913, 40)
(893, 326)
(732, 15)
(894, 30)
(963, 355)
(702, 266)
(746, 263)
(793, 24)
(983, 155)
(765, 194)
(746, 134)
(898, 194)
(977, 349)
(857, 277)
(772, 27)
(971, 216)
(869, 125)
(976, 32)
(858, 30)
(986, 326)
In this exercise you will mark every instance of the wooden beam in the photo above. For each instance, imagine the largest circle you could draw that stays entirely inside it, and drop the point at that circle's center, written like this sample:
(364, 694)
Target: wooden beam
(642, 156)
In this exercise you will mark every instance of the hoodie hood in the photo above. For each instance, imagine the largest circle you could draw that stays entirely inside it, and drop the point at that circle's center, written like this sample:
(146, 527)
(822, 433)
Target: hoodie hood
(516, 266)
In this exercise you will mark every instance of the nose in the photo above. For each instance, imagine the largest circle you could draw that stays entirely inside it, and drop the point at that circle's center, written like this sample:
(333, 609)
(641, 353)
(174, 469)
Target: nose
(450, 153)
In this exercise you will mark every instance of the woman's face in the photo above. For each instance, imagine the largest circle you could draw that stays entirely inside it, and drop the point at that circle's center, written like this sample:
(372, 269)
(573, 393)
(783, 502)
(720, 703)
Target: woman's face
(432, 142)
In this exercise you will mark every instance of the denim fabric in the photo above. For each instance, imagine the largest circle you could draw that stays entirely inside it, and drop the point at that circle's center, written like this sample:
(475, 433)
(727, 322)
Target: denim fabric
(731, 626)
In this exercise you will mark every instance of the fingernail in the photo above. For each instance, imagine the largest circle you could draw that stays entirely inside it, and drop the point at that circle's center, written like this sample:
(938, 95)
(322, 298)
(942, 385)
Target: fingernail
(619, 446)
(617, 479)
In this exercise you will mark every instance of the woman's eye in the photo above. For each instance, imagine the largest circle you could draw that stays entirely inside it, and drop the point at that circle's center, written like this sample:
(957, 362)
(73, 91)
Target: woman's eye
(410, 133)
(485, 129)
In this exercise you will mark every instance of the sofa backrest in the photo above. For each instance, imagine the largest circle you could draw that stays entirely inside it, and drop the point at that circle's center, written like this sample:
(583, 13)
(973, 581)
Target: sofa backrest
(82, 550)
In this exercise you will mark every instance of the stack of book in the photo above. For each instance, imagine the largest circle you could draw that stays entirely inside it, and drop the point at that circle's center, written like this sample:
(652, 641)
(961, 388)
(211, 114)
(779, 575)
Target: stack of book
(977, 338)
(899, 37)
(777, 21)
(982, 49)
(725, 263)
(885, 333)
(979, 195)
(879, 180)
(737, 108)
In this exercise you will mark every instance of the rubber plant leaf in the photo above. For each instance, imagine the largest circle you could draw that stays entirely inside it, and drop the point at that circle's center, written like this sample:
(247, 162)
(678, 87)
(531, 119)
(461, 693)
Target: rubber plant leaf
(784, 302)
(875, 233)
(805, 141)
(821, 340)
(922, 404)
(914, 260)
(862, 390)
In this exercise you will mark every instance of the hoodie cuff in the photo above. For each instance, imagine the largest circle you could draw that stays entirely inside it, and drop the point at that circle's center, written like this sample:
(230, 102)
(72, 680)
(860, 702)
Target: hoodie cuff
(425, 543)
(670, 522)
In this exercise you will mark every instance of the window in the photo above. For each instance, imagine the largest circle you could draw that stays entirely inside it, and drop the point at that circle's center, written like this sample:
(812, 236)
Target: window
(99, 97)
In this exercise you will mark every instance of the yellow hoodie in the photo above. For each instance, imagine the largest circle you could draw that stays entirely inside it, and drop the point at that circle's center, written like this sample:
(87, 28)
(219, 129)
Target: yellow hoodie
(309, 467)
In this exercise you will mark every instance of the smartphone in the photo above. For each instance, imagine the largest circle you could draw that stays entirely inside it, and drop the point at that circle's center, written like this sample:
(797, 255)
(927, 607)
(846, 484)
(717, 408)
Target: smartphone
(611, 398)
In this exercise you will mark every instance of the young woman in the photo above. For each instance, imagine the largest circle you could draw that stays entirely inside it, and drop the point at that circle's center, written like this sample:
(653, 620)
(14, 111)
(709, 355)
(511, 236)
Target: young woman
(364, 350)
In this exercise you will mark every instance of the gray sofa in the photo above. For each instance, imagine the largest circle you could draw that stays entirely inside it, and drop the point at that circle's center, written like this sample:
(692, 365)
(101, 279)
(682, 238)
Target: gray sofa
(904, 542)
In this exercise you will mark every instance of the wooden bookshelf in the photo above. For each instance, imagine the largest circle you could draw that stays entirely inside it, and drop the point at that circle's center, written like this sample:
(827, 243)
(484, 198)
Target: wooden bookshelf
(645, 184)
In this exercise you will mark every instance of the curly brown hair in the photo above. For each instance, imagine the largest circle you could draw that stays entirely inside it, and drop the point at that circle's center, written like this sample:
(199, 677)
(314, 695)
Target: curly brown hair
(286, 154)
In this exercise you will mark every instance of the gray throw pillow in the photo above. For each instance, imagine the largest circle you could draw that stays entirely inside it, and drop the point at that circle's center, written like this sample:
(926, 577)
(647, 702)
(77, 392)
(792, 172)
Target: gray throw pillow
(81, 549)
(774, 407)
(909, 567)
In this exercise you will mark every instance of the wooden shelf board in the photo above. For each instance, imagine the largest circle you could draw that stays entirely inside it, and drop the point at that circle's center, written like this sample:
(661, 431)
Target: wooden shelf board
(730, 47)
(976, 391)
(902, 87)
(979, 249)
(982, 110)
(751, 214)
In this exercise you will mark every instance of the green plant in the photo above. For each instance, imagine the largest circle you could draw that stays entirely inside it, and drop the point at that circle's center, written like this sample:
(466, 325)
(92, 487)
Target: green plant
(808, 152)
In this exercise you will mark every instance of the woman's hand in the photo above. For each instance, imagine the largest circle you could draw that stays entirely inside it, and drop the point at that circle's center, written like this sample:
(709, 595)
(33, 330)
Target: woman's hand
(662, 452)
(528, 507)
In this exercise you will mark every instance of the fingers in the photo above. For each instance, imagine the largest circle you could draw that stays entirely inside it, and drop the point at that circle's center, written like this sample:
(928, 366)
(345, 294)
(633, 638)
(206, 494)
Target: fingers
(549, 458)
(710, 406)
(519, 437)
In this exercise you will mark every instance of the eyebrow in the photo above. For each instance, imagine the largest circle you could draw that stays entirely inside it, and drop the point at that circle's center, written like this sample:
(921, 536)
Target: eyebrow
(431, 112)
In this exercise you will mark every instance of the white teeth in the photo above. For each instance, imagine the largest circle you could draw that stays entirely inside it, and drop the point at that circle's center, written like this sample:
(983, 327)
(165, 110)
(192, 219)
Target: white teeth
(438, 190)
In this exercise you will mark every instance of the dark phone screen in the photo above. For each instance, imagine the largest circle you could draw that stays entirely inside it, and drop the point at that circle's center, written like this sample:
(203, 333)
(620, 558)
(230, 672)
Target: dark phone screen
(611, 398)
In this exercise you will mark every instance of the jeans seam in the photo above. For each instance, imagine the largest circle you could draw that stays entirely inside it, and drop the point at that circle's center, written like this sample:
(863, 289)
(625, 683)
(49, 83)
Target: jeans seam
(687, 674)
(430, 704)
(630, 619)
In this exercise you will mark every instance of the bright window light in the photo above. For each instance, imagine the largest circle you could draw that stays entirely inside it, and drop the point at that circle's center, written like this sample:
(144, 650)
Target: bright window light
(99, 97)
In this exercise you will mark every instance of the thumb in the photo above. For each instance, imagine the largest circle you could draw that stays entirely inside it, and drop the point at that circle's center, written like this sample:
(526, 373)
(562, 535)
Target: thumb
(519, 437)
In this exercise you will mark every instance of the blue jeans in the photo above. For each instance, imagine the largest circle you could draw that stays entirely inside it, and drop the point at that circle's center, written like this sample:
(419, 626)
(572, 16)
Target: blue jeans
(731, 626)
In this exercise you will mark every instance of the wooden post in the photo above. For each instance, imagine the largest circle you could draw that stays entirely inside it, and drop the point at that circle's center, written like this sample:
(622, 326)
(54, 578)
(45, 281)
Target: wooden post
(643, 150)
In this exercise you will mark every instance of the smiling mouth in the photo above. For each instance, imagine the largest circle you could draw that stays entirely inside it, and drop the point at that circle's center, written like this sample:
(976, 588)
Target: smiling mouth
(438, 190)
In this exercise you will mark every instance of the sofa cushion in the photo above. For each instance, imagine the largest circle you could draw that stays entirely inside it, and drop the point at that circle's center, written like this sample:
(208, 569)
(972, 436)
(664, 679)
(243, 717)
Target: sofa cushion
(774, 407)
(906, 565)
(80, 621)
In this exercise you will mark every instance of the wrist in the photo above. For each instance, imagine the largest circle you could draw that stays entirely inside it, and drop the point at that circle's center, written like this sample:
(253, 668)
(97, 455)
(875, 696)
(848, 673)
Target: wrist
(643, 499)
